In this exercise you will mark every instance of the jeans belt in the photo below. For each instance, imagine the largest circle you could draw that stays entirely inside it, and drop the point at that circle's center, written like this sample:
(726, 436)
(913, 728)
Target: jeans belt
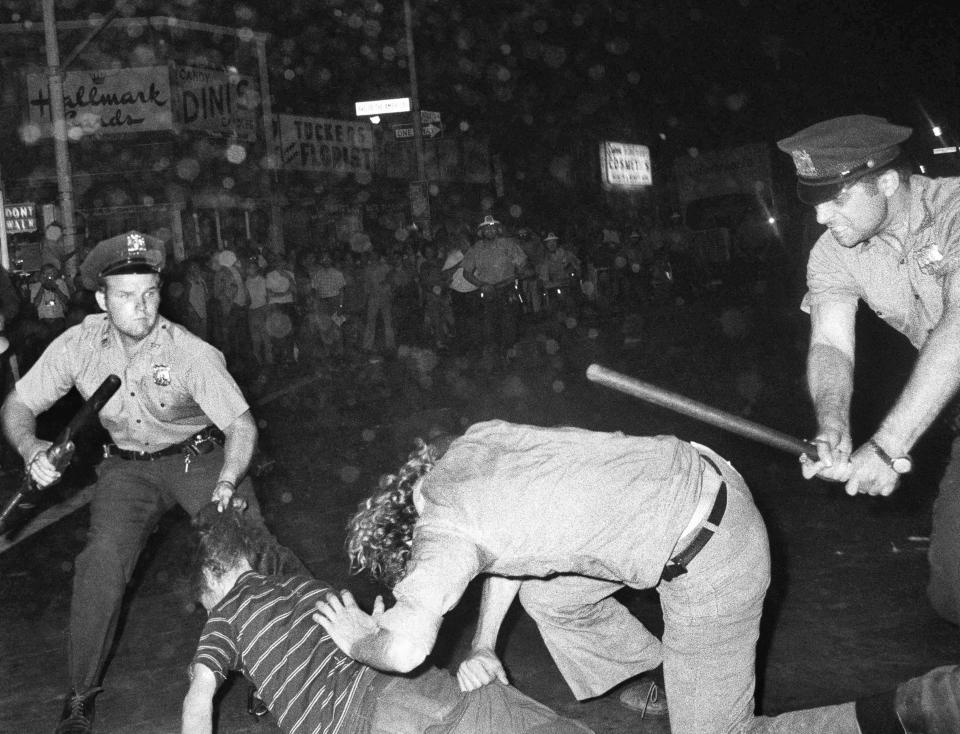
(677, 566)
(201, 442)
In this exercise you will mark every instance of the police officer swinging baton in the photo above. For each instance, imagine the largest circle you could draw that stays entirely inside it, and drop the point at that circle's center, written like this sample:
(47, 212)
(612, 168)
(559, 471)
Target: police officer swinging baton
(61, 451)
(700, 411)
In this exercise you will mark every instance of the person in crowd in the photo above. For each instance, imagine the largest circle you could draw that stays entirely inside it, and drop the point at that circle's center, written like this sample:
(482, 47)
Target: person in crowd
(231, 294)
(195, 299)
(328, 284)
(492, 265)
(51, 298)
(261, 624)
(559, 274)
(282, 302)
(407, 302)
(566, 517)
(437, 314)
(257, 311)
(636, 252)
(378, 285)
(606, 269)
(354, 302)
(533, 248)
(181, 433)
(464, 299)
(893, 242)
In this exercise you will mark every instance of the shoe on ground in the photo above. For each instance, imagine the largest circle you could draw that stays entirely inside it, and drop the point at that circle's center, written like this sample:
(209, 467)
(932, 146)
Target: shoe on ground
(255, 705)
(78, 710)
(645, 696)
(930, 704)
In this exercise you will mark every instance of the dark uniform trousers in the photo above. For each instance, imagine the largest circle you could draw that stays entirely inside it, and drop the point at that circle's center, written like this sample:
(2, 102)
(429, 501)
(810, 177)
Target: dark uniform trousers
(129, 499)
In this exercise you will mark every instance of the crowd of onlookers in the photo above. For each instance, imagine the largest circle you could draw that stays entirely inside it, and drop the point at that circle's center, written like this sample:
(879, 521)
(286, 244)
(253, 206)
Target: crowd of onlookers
(321, 303)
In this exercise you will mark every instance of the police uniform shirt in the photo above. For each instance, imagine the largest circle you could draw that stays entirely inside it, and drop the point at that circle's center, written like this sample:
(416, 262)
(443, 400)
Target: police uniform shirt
(905, 289)
(175, 386)
(494, 260)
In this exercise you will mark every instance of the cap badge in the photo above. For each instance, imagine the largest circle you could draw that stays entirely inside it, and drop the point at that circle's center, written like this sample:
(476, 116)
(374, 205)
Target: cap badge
(161, 374)
(804, 163)
(136, 244)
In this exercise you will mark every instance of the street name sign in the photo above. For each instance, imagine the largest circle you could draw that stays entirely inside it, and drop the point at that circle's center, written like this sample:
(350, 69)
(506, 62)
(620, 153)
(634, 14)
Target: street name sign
(382, 106)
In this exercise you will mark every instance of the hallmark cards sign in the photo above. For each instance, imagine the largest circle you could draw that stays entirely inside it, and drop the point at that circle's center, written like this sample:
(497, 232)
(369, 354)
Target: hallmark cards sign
(104, 102)
(322, 144)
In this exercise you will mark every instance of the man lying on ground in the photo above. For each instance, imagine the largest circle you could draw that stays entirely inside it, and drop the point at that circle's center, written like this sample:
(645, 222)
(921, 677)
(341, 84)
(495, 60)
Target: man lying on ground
(261, 625)
(566, 517)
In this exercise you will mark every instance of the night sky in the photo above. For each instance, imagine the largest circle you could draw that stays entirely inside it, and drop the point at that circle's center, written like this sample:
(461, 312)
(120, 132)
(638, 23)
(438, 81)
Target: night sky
(541, 75)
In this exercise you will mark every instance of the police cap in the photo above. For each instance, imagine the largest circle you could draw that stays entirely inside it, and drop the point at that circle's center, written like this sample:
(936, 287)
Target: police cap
(132, 252)
(831, 155)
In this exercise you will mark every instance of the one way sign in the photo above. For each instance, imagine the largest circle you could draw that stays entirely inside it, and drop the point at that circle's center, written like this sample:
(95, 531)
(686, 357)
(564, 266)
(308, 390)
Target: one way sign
(405, 132)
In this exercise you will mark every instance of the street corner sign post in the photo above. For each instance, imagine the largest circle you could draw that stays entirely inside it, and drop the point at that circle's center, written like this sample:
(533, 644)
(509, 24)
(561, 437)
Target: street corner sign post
(419, 193)
(382, 106)
(625, 166)
(430, 127)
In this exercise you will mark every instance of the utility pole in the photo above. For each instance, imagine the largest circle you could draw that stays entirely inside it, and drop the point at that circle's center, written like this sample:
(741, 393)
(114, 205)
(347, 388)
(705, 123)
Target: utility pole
(61, 152)
(421, 182)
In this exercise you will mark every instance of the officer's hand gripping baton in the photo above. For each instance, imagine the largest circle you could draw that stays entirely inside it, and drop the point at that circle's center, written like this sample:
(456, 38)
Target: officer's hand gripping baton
(61, 451)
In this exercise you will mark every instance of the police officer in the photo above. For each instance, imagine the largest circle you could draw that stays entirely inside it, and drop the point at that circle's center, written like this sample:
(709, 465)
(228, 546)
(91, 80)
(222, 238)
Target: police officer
(893, 242)
(181, 431)
(492, 265)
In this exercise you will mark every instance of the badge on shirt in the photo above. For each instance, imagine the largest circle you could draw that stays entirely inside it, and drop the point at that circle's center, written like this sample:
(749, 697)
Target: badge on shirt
(927, 257)
(161, 374)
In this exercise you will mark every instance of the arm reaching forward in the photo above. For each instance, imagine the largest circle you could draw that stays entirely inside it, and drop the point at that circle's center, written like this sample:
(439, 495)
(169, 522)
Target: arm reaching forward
(198, 703)
(483, 666)
(361, 637)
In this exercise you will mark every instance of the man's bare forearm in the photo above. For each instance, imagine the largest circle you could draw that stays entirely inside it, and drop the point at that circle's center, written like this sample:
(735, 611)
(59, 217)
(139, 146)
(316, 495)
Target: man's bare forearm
(19, 425)
(240, 440)
(387, 651)
(830, 380)
(498, 594)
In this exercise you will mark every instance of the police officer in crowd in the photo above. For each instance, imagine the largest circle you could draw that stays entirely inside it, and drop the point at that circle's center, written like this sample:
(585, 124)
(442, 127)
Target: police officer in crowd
(893, 242)
(181, 433)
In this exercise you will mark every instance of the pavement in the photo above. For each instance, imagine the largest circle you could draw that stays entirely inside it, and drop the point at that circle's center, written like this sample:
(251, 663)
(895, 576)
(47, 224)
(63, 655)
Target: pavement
(846, 613)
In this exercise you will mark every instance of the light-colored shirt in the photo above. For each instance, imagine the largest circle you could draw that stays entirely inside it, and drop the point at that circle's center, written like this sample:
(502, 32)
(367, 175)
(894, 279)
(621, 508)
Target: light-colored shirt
(494, 261)
(328, 282)
(176, 385)
(457, 281)
(904, 289)
(515, 500)
(257, 291)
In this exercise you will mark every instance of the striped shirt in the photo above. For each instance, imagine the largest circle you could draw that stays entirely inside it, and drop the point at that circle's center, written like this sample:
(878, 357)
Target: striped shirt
(263, 628)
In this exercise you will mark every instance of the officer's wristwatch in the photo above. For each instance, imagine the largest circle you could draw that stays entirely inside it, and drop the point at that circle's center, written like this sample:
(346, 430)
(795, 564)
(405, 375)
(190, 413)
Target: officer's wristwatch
(901, 464)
